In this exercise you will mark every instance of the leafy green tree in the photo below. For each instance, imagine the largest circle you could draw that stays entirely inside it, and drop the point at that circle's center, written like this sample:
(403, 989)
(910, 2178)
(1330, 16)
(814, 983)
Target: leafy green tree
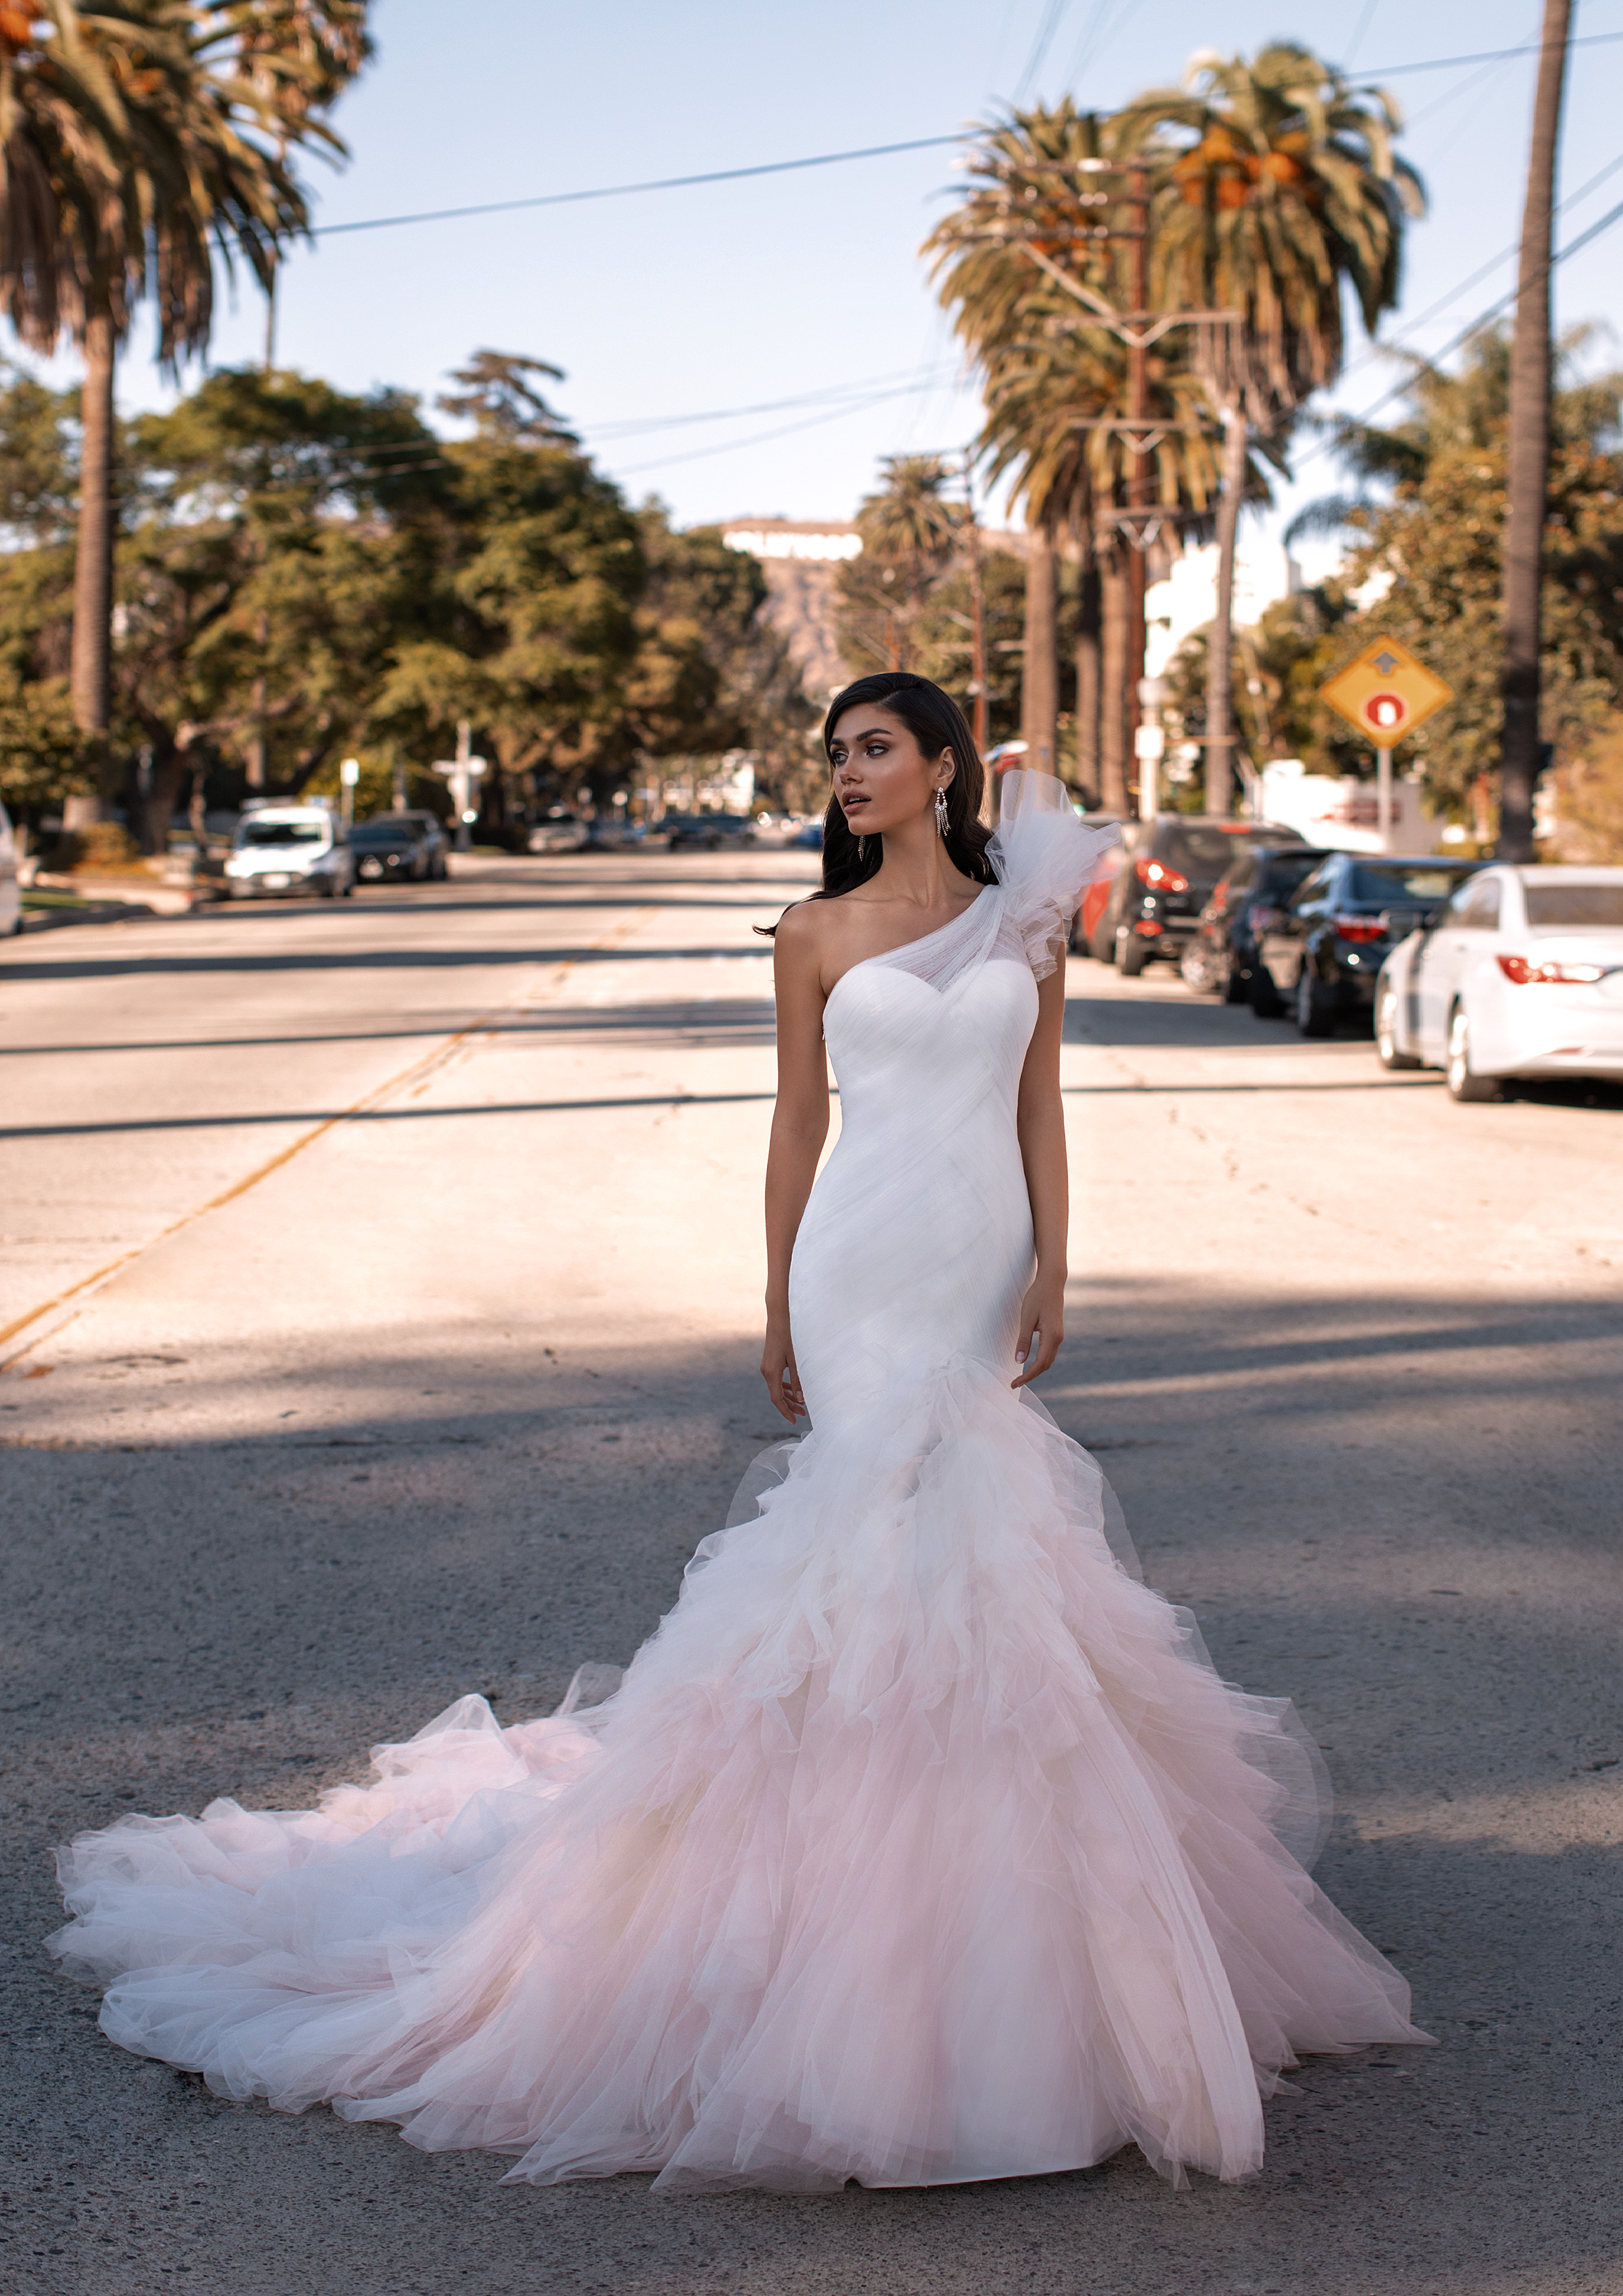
(130, 164)
(1435, 541)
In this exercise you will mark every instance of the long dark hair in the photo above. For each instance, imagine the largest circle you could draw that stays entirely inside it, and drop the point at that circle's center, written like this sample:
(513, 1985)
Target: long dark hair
(936, 723)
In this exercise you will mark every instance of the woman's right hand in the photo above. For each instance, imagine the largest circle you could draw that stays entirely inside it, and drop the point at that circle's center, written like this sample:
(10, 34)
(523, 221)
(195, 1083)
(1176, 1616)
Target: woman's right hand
(778, 1370)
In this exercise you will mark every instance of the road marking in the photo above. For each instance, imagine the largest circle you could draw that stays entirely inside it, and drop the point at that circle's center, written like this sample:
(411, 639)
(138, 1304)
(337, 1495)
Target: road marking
(422, 1068)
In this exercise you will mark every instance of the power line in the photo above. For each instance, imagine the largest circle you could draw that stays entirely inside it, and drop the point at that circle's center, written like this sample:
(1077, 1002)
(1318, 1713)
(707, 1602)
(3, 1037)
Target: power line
(828, 159)
(623, 190)
(762, 437)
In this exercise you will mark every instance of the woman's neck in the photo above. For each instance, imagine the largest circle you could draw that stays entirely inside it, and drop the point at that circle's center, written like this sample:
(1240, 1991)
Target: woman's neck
(916, 868)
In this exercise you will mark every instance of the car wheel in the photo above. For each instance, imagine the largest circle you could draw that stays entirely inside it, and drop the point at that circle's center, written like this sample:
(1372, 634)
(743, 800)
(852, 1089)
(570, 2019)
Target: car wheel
(1236, 988)
(1132, 956)
(1267, 1003)
(1386, 1034)
(349, 888)
(1463, 1082)
(1313, 1016)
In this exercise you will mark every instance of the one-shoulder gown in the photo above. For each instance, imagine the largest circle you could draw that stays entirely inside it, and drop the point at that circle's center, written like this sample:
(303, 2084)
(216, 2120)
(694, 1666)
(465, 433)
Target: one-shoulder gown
(918, 1844)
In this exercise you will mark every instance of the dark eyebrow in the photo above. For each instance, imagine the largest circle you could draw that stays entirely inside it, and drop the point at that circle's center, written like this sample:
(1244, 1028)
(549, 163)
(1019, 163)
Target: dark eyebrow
(873, 733)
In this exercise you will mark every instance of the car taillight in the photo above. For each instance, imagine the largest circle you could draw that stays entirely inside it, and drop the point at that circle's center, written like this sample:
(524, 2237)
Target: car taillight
(1524, 971)
(1158, 875)
(1360, 929)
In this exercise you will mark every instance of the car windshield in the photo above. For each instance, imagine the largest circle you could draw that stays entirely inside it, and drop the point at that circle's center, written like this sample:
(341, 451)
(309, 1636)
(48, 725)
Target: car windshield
(1415, 888)
(282, 833)
(1198, 850)
(1282, 872)
(1574, 905)
(384, 832)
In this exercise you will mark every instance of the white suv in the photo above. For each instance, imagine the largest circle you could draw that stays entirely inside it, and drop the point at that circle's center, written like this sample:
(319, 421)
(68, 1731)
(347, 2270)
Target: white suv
(288, 849)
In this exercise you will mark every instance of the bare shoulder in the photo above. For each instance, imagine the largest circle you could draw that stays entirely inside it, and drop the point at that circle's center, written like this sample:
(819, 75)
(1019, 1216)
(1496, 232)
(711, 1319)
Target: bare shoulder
(803, 932)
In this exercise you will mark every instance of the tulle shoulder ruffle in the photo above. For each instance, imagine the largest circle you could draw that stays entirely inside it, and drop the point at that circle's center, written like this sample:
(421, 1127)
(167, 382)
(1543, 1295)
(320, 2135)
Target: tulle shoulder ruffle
(1046, 857)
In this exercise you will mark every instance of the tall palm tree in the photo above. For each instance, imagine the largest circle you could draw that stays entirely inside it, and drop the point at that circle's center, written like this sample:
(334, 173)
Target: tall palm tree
(1272, 182)
(131, 157)
(911, 526)
(1029, 181)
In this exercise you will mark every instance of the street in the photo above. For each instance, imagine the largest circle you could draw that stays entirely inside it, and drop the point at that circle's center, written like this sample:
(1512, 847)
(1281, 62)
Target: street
(379, 1320)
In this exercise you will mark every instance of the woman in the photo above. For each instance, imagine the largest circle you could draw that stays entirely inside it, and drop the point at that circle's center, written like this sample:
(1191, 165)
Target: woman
(920, 1843)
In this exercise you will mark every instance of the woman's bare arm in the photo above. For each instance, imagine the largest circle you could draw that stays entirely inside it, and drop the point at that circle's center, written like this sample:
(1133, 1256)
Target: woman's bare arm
(1040, 1116)
(799, 1127)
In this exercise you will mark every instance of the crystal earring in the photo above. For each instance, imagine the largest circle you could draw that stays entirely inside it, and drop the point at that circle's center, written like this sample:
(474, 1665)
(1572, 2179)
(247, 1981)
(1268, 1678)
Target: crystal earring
(862, 849)
(941, 811)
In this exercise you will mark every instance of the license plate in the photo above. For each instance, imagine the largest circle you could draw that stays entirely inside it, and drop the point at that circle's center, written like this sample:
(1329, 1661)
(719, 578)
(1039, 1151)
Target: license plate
(276, 884)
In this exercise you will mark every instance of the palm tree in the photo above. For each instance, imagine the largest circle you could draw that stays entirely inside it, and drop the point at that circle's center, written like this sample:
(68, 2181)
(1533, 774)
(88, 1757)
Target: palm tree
(129, 159)
(1030, 182)
(911, 526)
(1272, 182)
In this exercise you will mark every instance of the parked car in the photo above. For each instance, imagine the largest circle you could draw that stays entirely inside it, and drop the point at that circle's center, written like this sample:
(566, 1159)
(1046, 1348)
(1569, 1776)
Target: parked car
(436, 838)
(11, 898)
(390, 847)
(1221, 960)
(1320, 956)
(810, 835)
(710, 830)
(1169, 869)
(288, 849)
(558, 831)
(1521, 975)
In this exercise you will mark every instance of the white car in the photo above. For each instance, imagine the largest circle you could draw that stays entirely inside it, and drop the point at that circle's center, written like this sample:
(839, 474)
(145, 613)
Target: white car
(288, 849)
(11, 900)
(1521, 975)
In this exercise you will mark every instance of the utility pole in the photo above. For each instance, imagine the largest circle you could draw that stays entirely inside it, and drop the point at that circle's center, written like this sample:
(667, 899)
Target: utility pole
(1529, 474)
(1138, 481)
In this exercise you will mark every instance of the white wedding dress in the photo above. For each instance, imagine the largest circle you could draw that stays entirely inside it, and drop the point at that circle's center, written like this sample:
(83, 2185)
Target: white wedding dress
(920, 1843)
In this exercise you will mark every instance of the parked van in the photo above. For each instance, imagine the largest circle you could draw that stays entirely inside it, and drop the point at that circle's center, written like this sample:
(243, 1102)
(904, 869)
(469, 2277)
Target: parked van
(288, 849)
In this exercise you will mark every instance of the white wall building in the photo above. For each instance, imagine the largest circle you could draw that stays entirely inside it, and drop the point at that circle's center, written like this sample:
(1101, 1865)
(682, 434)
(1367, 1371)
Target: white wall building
(1187, 600)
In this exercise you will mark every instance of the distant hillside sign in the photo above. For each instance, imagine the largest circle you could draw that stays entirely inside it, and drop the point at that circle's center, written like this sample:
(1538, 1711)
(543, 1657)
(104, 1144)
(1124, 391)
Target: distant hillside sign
(781, 538)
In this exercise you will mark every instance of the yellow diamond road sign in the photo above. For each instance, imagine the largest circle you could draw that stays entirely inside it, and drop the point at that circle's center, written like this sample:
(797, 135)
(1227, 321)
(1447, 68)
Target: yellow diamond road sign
(1385, 692)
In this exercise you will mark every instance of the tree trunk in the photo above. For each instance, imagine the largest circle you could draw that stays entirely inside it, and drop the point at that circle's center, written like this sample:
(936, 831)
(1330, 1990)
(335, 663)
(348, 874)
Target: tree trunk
(1087, 678)
(1039, 689)
(91, 679)
(1113, 681)
(1530, 452)
(1220, 656)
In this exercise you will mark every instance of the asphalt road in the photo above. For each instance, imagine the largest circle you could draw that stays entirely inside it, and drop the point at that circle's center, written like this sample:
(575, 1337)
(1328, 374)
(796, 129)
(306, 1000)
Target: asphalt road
(380, 1292)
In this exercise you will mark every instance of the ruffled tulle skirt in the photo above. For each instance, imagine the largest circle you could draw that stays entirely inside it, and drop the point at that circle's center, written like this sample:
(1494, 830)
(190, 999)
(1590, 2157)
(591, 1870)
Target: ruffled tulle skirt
(920, 1844)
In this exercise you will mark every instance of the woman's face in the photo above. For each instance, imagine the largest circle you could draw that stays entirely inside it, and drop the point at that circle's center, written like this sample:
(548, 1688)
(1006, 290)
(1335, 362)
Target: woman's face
(882, 777)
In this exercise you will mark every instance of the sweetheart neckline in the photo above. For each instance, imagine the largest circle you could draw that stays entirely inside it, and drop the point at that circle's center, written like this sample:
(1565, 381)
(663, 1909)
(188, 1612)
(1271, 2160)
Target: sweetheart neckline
(918, 941)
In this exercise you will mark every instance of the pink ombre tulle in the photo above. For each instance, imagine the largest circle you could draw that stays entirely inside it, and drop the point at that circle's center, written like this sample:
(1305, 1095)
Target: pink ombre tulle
(920, 1844)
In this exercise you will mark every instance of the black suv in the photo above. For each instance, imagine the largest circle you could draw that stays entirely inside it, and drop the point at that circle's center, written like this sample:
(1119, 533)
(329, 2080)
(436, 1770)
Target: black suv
(1169, 871)
(1321, 953)
(1221, 960)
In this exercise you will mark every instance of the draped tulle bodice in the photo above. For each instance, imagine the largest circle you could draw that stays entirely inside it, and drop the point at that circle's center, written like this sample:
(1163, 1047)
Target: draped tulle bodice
(920, 1843)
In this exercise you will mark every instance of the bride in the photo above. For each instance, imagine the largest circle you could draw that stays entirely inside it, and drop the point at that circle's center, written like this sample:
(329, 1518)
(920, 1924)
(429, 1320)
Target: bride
(920, 1843)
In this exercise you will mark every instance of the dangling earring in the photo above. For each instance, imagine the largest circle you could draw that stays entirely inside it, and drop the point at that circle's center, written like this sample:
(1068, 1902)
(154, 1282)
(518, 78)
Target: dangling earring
(941, 811)
(862, 849)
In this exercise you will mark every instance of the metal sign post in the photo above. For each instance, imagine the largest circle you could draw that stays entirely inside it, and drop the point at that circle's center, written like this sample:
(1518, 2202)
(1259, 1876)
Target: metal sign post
(349, 774)
(1386, 693)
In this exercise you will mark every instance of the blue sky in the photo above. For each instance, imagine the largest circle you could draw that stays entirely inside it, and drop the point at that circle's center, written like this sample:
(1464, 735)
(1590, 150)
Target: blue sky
(737, 296)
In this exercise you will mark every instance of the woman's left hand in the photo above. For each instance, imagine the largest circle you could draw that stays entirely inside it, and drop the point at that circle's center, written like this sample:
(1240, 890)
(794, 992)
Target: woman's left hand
(1042, 1327)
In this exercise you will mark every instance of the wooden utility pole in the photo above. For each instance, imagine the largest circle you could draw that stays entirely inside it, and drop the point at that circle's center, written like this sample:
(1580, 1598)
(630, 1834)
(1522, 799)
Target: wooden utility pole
(1528, 475)
(1138, 481)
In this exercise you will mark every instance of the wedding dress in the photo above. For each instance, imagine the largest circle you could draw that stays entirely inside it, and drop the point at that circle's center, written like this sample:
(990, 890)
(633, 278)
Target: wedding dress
(920, 1844)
